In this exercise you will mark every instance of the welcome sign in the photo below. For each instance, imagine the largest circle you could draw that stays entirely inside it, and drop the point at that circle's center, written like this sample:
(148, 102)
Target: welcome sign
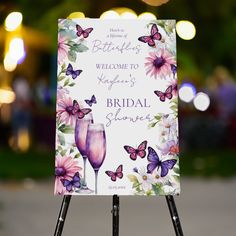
(117, 128)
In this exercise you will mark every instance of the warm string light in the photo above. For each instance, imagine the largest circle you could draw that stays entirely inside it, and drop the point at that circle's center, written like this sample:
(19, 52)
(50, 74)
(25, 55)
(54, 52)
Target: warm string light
(185, 29)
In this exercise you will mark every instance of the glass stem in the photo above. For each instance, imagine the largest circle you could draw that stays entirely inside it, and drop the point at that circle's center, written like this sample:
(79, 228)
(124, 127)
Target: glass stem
(85, 158)
(96, 181)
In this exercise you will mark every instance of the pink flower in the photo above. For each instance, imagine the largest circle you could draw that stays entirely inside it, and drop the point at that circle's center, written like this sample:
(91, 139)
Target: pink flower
(62, 49)
(171, 147)
(65, 168)
(65, 111)
(159, 63)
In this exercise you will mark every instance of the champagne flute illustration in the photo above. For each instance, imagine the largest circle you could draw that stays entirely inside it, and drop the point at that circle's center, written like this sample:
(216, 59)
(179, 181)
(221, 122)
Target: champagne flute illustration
(96, 148)
(81, 128)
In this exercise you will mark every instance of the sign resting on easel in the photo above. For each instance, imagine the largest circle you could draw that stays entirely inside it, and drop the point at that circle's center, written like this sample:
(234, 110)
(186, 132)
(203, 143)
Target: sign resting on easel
(116, 112)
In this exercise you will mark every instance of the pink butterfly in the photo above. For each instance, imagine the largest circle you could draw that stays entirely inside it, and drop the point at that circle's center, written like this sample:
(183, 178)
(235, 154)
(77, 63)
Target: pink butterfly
(155, 35)
(140, 151)
(166, 94)
(117, 174)
(85, 33)
(81, 112)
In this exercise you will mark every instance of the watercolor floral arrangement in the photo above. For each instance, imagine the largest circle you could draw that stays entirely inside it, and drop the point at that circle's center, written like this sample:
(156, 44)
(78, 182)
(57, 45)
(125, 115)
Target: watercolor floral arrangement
(161, 175)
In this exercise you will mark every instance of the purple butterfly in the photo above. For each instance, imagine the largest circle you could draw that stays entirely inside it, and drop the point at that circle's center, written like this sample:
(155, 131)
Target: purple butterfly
(81, 112)
(117, 174)
(140, 151)
(85, 32)
(91, 101)
(155, 162)
(73, 73)
(166, 94)
(155, 35)
(69, 184)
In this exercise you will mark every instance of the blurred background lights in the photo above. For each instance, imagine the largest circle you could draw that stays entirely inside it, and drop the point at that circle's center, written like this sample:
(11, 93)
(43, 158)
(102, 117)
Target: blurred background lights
(16, 48)
(187, 92)
(147, 16)
(109, 15)
(201, 101)
(76, 15)
(128, 15)
(9, 63)
(185, 29)
(7, 96)
(13, 21)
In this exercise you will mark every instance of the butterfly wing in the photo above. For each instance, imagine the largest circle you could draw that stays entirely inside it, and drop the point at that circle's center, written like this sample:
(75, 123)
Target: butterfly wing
(69, 69)
(93, 99)
(154, 160)
(119, 172)
(79, 30)
(154, 32)
(161, 95)
(89, 102)
(131, 151)
(111, 174)
(86, 32)
(76, 107)
(76, 180)
(166, 166)
(83, 112)
(147, 39)
(67, 184)
(76, 73)
(141, 149)
(168, 92)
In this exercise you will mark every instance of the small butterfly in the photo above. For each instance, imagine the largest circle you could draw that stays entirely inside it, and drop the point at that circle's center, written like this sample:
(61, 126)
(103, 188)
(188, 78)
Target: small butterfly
(155, 162)
(155, 35)
(91, 101)
(81, 112)
(69, 184)
(73, 73)
(117, 174)
(166, 94)
(140, 151)
(85, 32)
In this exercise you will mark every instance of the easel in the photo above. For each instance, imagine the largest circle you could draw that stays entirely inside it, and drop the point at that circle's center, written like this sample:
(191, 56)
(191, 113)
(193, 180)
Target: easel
(115, 215)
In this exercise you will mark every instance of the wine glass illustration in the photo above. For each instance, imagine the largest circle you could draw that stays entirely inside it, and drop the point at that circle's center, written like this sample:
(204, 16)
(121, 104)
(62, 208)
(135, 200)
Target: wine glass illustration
(96, 148)
(81, 128)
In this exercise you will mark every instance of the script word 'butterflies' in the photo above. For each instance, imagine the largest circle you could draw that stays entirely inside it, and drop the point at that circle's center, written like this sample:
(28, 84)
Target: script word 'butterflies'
(155, 35)
(84, 32)
(72, 72)
(155, 162)
(69, 184)
(117, 174)
(140, 151)
(81, 112)
(91, 101)
(166, 94)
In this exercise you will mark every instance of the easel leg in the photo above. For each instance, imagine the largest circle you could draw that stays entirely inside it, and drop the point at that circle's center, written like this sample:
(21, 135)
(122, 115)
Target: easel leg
(115, 215)
(62, 215)
(174, 215)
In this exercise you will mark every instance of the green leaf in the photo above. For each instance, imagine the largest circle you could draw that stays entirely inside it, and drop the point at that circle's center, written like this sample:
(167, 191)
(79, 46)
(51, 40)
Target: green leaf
(61, 139)
(66, 129)
(151, 125)
(60, 78)
(80, 48)
(63, 152)
(132, 178)
(177, 178)
(66, 82)
(176, 170)
(63, 67)
(77, 155)
(71, 150)
(72, 56)
(71, 84)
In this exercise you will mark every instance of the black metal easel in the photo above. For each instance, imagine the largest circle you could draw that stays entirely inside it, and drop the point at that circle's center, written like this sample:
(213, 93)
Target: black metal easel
(115, 215)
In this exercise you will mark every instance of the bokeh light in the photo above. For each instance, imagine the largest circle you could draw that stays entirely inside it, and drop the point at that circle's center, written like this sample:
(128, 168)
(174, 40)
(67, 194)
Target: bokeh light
(128, 15)
(16, 49)
(76, 15)
(109, 15)
(201, 101)
(147, 16)
(185, 29)
(7, 96)
(187, 92)
(13, 21)
(9, 63)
